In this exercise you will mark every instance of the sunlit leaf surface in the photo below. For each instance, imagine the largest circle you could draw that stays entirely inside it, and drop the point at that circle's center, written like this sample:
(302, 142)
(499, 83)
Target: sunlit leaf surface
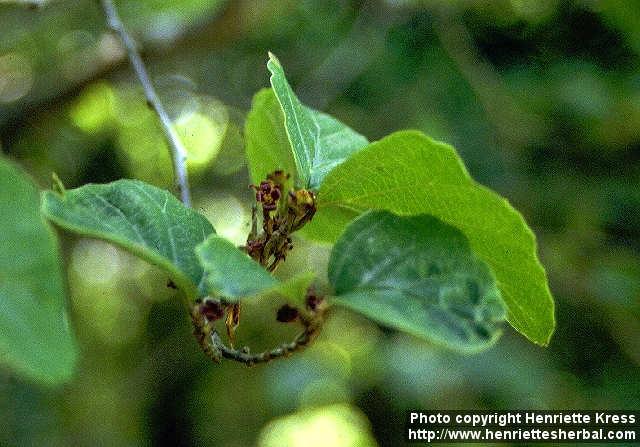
(282, 133)
(408, 173)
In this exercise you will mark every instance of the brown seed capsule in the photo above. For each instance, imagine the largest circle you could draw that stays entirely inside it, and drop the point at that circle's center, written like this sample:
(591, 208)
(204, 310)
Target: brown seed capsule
(254, 248)
(287, 314)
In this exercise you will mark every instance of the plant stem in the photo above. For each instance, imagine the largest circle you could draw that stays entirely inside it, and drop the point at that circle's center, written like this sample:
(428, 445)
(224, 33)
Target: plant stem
(214, 347)
(242, 356)
(178, 152)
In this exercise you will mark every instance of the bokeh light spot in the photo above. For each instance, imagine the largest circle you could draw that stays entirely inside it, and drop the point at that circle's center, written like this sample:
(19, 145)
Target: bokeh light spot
(202, 133)
(96, 262)
(228, 216)
(94, 108)
(339, 425)
(96, 272)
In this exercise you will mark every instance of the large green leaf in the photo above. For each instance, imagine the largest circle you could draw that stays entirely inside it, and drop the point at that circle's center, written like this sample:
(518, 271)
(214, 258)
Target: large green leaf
(35, 337)
(417, 274)
(409, 173)
(233, 275)
(317, 142)
(143, 219)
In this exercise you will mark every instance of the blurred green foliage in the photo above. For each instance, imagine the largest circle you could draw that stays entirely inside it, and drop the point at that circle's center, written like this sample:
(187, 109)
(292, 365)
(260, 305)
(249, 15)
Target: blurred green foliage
(36, 339)
(542, 99)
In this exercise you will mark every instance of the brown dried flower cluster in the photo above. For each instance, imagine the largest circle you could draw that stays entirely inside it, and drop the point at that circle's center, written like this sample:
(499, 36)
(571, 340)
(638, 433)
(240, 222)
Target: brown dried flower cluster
(282, 214)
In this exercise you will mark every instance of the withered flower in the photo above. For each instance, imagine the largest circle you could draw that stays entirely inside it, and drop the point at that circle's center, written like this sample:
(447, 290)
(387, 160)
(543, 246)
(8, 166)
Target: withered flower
(211, 309)
(268, 193)
(287, 314)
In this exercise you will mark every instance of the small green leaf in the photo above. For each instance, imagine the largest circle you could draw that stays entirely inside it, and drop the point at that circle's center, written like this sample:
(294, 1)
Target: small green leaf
(408, 173)
(317, 141)
(145, 220)
(35, 337)
(301, 130)
(231, 274)
(267, 144)
(417, 274)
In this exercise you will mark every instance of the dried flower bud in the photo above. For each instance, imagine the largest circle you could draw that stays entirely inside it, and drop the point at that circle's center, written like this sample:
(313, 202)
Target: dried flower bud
(287, 314)
(212, 310)
(279, 177)
(313, 300)
(267, 193)
(301, 199)
(254, 248)
(302, 205)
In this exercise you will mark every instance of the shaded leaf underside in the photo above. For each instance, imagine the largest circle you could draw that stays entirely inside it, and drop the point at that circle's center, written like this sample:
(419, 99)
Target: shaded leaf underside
(418, 275)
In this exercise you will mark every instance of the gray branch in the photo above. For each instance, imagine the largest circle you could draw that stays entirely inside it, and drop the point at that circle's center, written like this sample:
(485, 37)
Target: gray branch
(178, 152)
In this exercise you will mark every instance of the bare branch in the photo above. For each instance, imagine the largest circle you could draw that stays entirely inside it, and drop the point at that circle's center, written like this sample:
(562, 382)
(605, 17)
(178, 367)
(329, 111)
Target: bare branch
(178, 152)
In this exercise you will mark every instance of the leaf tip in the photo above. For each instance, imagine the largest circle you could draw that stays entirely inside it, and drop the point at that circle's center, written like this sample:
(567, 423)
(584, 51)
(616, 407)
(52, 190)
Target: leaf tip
(273, 57)
(541, 338)
(57, 185)
(547, 340)
(273, 64)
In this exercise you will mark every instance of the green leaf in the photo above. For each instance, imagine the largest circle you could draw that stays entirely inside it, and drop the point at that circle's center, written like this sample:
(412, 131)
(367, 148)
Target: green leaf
(145, 220)
(317, 141)
(408, 173)
(35, 337)
(335, 143)
(267, 144)
(417, 274)
(232, 274)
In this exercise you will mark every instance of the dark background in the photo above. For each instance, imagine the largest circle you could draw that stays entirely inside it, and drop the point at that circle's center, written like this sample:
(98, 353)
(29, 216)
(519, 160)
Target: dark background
(541, 99)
